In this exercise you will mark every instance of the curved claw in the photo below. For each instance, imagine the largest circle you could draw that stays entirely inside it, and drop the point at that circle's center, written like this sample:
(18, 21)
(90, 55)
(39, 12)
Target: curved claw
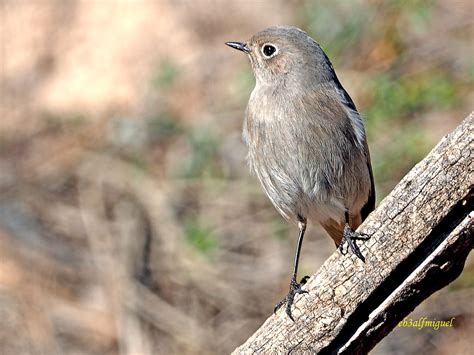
(295, 288)
(349, 236)
(303, 281)
(278, 305)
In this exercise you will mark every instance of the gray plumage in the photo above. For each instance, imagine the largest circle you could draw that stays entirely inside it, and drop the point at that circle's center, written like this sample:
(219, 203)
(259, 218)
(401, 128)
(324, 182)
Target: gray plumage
(306, 141)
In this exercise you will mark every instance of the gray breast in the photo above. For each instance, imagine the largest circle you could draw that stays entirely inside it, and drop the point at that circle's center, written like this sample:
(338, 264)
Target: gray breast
(306, 165)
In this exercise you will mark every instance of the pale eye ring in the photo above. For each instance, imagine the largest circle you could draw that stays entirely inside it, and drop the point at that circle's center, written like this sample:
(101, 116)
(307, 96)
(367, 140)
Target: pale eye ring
(269, 50)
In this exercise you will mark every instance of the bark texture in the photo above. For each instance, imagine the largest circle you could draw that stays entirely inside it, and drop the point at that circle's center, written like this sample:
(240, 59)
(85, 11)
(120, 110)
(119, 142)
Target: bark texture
(420, 234)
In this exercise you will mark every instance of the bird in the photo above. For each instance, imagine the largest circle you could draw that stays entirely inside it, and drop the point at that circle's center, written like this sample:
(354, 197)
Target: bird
(306, 141)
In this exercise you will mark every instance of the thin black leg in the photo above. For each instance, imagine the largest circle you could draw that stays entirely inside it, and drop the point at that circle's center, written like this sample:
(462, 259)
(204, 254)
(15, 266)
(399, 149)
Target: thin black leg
(295, 287)
(302, 227)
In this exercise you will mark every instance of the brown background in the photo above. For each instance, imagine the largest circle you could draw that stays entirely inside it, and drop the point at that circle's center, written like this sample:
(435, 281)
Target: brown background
(129, 223)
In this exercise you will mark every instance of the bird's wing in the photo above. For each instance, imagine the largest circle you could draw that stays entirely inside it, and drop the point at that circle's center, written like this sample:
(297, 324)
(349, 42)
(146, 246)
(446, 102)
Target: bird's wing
(370, 204)
(357, 123)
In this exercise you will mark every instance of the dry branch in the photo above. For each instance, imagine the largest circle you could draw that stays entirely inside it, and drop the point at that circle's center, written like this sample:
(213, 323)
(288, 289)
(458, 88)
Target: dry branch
(420, 234)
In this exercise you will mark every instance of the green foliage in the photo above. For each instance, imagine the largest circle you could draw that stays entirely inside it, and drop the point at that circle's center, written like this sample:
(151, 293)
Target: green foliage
(200, 237)
(138, 162)
(204, 158)
(163, 126)
(420, 16)
(401, 97)
(466, 279)
(166, 75)
(406, 149)
(323, 21)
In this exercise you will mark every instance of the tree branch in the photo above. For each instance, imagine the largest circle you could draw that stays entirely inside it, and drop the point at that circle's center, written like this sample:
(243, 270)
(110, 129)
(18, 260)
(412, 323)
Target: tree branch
(421, 235)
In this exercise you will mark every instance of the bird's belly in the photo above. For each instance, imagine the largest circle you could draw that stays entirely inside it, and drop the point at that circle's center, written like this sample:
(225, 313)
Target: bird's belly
(305, 176)
(299, 193)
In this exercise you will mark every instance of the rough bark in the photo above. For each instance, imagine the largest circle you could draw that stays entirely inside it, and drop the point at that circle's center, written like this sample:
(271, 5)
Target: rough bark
(420, 234)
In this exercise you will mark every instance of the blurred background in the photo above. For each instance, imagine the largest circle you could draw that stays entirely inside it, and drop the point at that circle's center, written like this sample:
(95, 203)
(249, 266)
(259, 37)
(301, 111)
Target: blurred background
(129, 223)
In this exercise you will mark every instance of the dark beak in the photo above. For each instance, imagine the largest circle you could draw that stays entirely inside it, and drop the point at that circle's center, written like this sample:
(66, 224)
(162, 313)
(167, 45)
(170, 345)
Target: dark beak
(240, 46)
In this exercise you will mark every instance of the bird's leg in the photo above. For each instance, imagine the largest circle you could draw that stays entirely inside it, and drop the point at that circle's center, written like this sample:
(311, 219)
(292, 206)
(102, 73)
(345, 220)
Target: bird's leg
(350, 236)
(295, 287)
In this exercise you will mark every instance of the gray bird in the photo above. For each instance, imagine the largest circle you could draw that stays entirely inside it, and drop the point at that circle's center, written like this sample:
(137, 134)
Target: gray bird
(306, 141)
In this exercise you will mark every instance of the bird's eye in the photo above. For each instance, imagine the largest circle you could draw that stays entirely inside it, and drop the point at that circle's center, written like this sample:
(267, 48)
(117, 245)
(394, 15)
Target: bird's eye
(269, 50)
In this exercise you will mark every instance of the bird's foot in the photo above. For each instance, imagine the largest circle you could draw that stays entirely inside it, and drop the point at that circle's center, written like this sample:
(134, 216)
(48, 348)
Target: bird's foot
(350, 236)
(295, 288)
